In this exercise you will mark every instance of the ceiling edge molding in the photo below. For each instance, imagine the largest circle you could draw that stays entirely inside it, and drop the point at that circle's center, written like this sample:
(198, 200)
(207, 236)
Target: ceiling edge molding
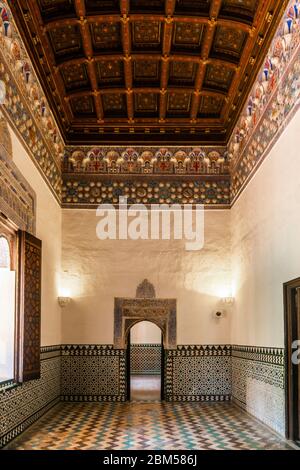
(25, 105)
(272, 103)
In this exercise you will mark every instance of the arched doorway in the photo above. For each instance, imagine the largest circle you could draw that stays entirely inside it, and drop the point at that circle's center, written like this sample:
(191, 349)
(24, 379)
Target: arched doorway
(145, 362)
(144, 307)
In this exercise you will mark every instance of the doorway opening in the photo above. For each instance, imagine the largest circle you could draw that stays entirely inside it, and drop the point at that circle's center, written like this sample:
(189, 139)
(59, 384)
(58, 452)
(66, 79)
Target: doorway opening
(145, 357)
(292, 349)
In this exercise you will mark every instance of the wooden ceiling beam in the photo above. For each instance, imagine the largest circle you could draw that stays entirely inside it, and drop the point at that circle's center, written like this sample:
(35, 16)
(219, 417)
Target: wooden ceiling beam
(215, 9)
(170, 7)
(205, 52)
(49, 56)
(88, 50)
(165, 64)
(172, 57)
(140, 17)
(179, 90)
(250, 43)
(162, 105)
(126, 41)
(195, 106)
(141, 122)
(130, 105)
(124, 7)
(262, 22)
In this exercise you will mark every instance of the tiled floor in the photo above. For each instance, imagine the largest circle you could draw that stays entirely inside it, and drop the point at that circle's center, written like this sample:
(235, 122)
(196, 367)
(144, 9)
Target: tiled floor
(147, 426)
(145, 387)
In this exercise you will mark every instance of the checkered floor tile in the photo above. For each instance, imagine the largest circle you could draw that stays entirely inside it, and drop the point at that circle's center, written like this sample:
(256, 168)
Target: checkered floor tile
(141, 425)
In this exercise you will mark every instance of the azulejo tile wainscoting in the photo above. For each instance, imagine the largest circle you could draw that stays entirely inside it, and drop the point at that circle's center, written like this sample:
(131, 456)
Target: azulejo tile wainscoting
(21, 405)
(91, 372)
(258, 383)
(198, 373)
(253, 377)
(145, 359)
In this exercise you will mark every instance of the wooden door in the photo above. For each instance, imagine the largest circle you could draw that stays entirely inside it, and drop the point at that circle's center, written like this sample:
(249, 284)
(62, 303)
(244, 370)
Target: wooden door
(162, 384)
(292, 358)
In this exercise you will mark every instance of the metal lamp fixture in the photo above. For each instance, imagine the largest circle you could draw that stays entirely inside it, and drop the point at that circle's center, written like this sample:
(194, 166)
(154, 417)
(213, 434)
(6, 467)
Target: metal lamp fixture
(64, 301)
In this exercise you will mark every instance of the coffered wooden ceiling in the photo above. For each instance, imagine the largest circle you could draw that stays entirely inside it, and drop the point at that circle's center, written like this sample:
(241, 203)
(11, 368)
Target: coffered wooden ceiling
(138, 71)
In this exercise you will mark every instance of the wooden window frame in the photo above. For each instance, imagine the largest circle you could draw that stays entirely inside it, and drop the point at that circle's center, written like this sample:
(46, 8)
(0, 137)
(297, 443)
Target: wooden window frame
(26, 259)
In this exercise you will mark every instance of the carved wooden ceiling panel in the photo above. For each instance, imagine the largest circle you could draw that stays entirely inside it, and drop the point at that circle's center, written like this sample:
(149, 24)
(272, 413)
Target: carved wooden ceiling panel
(138, 71)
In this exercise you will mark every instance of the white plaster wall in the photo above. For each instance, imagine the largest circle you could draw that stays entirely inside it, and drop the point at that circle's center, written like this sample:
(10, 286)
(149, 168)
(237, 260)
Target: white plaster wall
(96, 271)
(48, 229)
(145, 332)
(265, 223)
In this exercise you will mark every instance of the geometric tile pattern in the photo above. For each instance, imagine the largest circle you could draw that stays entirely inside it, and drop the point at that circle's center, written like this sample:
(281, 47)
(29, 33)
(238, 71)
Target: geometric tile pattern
(258, 384)
(92, 373)
(145, 359)
(198, 373)
(144, 425)
(21, 405)
(92, 175)
(87, 191)
(96, 373)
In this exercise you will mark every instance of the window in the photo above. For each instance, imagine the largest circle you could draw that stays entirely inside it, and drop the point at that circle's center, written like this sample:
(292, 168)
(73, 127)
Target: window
(20, 304)
(7, 303)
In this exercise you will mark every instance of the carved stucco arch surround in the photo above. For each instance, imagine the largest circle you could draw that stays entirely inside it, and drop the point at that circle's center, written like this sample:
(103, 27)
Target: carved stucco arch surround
(129, 311)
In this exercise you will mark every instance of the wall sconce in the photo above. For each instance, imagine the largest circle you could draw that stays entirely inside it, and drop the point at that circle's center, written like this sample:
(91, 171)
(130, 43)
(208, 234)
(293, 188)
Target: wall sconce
(228, 300)
(64, 301)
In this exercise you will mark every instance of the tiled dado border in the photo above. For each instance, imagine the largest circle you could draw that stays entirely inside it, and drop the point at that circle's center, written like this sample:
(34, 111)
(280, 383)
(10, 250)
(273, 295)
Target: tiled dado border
(22, 405)
(260, 354)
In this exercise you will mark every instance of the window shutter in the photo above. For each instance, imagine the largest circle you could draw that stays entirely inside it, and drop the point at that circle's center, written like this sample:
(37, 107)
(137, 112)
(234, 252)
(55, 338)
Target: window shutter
(29, 328)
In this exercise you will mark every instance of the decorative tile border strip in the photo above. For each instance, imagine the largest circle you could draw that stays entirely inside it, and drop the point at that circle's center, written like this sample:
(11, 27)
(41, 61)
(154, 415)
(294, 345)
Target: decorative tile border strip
(6, 385)
(202, 350)
(90, 350)
(88, 191)
(147, 160)
(261, 354)
(93, 398)
(47, 349)
(200, 398)
(50, 352)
